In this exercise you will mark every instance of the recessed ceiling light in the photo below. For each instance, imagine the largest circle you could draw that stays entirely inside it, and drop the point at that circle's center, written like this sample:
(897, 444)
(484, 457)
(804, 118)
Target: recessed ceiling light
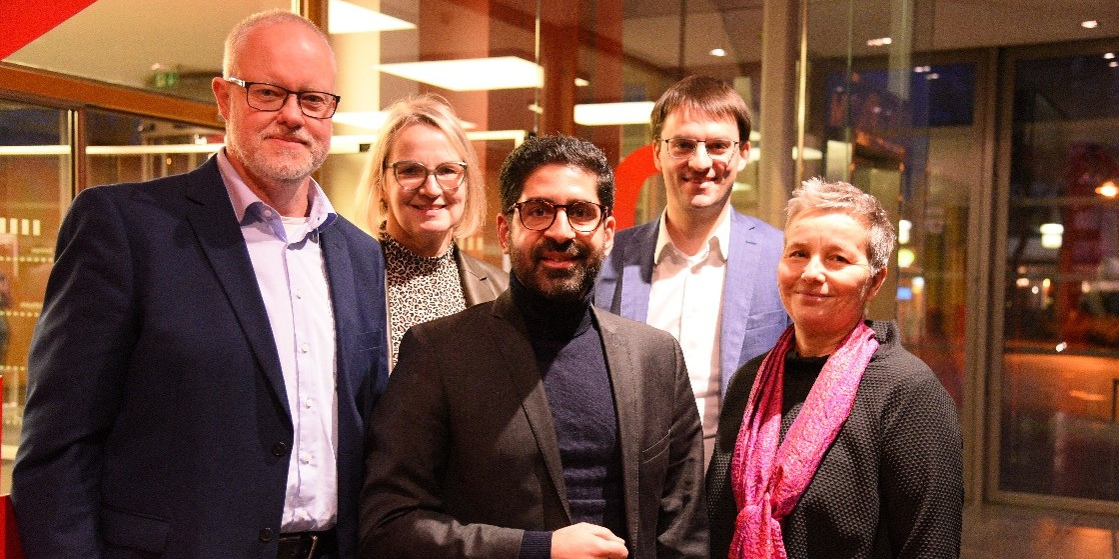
(351, 18)
(580, 82)
(471, 74)
(612, 114)
(1113, 64)
(881, 42)
(1109, 55)
(718, 52)
(1108, 189)
(1090, 24)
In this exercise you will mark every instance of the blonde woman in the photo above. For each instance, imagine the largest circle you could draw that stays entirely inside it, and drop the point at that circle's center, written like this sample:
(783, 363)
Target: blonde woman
(422, 189)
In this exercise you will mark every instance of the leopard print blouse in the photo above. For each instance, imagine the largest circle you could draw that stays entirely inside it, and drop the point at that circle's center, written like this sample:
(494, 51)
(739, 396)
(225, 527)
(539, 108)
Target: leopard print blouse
(420, 288)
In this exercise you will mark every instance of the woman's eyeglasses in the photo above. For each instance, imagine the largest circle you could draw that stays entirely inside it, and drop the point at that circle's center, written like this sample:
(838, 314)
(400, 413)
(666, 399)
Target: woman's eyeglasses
(411, 175)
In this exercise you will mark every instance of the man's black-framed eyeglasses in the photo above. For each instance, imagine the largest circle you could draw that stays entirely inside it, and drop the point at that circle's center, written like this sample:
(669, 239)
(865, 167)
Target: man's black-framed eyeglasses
(685, 148)
(538, 215)
(412, 174)
(267, 97)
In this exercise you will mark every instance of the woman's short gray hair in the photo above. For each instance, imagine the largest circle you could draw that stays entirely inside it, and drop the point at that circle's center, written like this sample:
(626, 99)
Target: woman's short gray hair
(818, 195)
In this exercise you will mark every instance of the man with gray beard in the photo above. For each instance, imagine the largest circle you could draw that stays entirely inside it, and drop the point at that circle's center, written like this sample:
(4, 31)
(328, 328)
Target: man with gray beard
(211, 344)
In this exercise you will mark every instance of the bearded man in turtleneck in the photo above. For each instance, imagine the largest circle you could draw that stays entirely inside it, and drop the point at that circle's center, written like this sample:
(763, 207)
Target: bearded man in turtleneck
(537, 426)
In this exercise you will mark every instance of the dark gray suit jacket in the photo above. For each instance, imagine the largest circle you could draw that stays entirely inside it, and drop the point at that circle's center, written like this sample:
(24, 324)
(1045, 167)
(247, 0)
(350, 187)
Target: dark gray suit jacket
(462, 453)
(481, 281)
(157, 422)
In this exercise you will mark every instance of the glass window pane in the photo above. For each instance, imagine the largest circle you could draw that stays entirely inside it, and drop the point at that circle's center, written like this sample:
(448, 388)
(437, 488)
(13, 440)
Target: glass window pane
(1061, 352)
(127, 148)
(888, 120)
(35, 178)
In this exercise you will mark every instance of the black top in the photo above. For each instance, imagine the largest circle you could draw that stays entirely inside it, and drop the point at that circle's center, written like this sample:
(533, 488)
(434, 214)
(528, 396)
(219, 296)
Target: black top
(572, 364)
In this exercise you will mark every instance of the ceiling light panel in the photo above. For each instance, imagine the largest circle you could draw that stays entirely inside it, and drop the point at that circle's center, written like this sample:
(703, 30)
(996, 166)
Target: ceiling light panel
(351, 18)
(471, 74)
(613, 114)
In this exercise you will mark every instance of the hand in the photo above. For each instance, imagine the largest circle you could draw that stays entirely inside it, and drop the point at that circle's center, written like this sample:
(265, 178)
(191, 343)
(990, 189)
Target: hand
(585, 541)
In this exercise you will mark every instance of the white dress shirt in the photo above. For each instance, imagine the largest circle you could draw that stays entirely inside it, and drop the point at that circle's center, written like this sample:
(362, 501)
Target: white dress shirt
(686, 300)
(288, 263)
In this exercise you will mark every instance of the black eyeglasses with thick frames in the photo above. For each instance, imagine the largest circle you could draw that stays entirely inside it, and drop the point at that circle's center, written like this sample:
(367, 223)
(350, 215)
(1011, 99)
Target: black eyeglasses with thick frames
(271, 98)
(411, 175)
(685, 148)
(538, 215)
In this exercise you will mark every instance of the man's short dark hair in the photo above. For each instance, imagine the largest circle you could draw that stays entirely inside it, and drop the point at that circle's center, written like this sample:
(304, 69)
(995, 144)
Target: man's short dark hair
(538, 151)
(709, 96)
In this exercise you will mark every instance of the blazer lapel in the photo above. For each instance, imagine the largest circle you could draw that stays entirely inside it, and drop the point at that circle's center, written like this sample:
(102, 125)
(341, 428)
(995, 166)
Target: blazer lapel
(528, 387)
(738, 292)
(215, 226)
(472, 279)
(343, 301)
(637, 272)
(625, 383)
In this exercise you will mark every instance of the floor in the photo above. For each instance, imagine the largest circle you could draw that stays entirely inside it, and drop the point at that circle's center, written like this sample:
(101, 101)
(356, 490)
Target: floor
(1004, 532)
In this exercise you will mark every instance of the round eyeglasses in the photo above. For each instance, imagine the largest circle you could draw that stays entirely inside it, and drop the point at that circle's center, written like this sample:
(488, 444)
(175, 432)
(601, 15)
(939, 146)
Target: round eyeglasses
(685, 148)
(411, 175)
(271, 98)
(538, 215)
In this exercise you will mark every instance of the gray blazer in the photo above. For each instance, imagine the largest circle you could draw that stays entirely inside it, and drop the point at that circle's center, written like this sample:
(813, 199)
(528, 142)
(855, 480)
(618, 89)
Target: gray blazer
(462, 456)
(481, 281)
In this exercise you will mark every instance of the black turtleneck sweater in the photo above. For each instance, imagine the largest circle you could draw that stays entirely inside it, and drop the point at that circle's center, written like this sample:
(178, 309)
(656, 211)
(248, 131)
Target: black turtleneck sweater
(572, 365)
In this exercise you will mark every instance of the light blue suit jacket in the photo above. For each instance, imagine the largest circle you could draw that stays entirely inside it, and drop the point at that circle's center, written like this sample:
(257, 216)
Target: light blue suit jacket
(753, 317)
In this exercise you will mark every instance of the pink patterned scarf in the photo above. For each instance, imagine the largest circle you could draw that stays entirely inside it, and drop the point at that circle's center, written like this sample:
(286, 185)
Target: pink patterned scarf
(768, 476)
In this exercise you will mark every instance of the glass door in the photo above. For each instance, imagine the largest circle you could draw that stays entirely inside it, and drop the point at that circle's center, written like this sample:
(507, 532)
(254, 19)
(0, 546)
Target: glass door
(1058, 430)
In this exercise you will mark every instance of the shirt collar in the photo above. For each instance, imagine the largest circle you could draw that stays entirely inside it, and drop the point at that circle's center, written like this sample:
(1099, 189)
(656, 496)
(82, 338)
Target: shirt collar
(321, 216)
(718, 242)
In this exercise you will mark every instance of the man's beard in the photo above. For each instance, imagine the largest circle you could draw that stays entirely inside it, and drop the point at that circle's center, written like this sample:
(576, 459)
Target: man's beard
(559, 285)
(285, 167)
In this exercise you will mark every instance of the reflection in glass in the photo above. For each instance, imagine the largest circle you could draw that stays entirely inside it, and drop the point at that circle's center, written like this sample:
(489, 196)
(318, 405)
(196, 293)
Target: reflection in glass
(34, 187)
(911, 144)
(1059, 434)
(126, 148)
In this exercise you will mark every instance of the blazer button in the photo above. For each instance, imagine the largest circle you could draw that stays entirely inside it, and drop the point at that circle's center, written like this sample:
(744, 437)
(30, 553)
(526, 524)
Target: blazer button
(279, 449)
(266, 535)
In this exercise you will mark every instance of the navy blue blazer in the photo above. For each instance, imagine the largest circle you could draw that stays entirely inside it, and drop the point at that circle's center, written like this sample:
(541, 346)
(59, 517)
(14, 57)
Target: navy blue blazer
(753, 317)
(156, 421)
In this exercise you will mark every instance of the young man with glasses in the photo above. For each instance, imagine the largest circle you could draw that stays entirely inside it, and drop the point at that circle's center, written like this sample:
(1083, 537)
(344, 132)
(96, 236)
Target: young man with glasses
(536, 425)
(703, 272)
(211, 344)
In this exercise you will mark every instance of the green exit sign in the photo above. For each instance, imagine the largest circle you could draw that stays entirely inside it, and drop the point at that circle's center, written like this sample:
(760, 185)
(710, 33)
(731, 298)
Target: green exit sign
(165, 79)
